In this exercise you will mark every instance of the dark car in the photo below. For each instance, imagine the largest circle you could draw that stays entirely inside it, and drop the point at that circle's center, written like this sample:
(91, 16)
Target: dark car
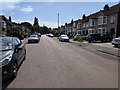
(12, 53)
(98, 37)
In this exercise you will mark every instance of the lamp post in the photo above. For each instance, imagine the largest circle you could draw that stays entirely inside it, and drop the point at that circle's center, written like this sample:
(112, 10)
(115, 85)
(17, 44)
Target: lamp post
(58, 20)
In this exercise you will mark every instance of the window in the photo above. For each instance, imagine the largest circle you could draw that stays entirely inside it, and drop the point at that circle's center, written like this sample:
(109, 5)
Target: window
(83, 25)
(79, 26)
(102, 30)
(91, 31)
(79, 32)
(3, 24)
(102, 20)
(112, 19)
(91, 22)
(87, 25)
(17, 41)
(83, 32)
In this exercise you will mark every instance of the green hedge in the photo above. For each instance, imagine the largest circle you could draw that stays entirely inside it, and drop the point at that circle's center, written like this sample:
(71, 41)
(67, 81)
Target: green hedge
(79, 39)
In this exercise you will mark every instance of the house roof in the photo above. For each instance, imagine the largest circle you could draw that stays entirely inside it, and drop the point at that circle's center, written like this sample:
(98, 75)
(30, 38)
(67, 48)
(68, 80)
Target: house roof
(112, 10)
(5, 19)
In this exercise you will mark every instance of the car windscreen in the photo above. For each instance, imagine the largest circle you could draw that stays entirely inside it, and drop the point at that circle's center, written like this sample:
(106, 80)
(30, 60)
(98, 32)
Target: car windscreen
(6, 44)
(34, 36)
(63, 36)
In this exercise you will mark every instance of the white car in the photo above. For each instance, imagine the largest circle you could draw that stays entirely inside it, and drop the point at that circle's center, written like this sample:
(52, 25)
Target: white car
(33, 39)
(63, 38)
(116, 42)
(50, 35)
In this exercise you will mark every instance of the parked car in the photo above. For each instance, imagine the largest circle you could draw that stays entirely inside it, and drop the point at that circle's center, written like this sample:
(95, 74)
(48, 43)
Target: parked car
(63, 38)
(98, 37)
(33, 39)
(80, 36)
(76, 36)
(116, 42)
(50, 35)
(39, 34)
(13, 53)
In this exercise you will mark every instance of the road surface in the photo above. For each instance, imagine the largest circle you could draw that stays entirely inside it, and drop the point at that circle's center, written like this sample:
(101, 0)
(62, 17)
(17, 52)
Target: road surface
(54, 64)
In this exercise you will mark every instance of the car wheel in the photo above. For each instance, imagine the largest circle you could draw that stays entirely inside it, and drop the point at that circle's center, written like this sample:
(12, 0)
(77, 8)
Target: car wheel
(89, 41)
(14, 69)
(116, 45)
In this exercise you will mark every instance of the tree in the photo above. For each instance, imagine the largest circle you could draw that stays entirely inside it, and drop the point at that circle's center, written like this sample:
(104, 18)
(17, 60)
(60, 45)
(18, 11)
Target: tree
(36, 21)
(26, 24)
(45, 30)
(36, 27)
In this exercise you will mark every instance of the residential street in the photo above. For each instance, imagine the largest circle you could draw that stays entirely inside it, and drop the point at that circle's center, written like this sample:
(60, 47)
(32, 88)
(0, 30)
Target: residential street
(54, 64)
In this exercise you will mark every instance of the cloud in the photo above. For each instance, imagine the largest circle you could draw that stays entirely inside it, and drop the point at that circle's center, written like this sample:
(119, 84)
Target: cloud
(11, 1)
(9, 4)
(19, 21)
(49, 24)
(26, 9)
(1, 13)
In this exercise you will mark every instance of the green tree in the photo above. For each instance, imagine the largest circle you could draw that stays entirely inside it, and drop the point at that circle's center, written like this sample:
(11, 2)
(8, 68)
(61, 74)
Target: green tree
(26, 24)
(36, 21)
(45, 30)
(36, 27)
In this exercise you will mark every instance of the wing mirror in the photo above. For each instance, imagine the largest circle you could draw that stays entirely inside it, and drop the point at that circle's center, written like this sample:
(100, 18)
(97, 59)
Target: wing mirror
(19, 46)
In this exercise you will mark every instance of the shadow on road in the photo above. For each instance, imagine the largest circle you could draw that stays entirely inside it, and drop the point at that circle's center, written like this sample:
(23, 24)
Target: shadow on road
(6, 83)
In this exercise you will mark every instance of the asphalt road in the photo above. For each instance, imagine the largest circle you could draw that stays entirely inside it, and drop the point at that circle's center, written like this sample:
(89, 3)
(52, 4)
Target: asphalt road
(54, 64)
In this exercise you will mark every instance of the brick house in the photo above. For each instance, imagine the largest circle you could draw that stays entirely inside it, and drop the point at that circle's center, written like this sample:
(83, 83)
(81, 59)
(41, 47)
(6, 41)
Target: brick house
(5, 25)
(103, 21)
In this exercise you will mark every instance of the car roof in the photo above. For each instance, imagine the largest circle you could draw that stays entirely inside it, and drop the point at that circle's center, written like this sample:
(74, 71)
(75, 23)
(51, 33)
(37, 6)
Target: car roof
(63, 35)
(33, 35)
(7, 37)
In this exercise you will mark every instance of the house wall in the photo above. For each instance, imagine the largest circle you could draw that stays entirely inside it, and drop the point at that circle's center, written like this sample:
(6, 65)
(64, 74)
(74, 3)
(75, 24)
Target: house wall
(108, 27)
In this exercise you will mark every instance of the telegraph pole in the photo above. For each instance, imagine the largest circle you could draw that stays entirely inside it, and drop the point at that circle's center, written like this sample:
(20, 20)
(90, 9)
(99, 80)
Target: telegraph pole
(58, 20)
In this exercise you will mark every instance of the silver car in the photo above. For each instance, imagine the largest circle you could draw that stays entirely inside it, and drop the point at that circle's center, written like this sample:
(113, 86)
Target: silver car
(33, 39)
(63, 38)
(116, 42)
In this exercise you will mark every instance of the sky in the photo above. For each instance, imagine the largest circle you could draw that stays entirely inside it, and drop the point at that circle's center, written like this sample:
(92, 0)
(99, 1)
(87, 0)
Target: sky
(47, 12)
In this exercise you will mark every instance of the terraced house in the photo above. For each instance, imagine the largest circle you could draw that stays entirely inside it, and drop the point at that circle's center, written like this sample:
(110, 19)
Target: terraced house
(5, 25)
(103, 21)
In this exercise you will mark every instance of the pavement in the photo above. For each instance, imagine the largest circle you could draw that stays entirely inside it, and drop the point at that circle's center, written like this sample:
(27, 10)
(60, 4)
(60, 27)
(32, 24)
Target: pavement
(54, 64)
(24, 41)
(102, 47)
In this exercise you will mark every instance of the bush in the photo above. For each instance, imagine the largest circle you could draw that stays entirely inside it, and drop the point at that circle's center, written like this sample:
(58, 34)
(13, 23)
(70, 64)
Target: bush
(79, 39)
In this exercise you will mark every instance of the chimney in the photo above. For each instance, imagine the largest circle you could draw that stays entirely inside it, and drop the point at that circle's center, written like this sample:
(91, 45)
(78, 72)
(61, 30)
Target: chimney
(106, 7)
(83, 17)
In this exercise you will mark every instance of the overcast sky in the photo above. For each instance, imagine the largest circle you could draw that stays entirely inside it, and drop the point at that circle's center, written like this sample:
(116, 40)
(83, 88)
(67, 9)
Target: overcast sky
(47, 12)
